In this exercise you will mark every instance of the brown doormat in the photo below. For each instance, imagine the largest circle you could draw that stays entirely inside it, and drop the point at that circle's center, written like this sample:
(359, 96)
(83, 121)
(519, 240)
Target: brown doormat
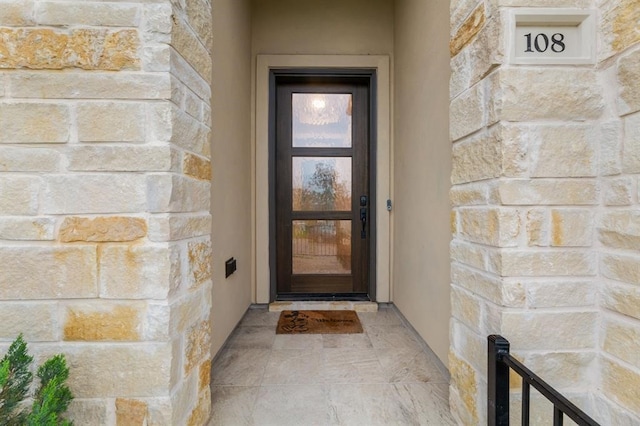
(318, 322)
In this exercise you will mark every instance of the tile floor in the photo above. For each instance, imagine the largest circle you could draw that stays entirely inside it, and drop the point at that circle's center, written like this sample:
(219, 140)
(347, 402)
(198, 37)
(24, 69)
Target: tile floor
(384, 376)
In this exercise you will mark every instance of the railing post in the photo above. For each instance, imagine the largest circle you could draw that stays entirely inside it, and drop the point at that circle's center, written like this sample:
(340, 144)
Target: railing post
(498, 382)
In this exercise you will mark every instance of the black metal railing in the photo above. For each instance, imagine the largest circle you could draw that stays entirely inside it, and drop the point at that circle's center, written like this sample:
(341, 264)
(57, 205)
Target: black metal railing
(500, 362)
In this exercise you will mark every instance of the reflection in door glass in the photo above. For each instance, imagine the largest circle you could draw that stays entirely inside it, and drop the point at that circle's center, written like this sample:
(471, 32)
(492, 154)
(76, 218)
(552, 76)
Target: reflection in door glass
(321, 247)
(321, 183)
(321, 120)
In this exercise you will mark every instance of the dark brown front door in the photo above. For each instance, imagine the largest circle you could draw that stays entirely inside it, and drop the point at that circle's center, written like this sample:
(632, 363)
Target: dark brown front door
(322, 198)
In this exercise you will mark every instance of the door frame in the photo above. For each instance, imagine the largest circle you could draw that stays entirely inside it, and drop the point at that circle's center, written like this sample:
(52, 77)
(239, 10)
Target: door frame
(307, 76)
(262, 271)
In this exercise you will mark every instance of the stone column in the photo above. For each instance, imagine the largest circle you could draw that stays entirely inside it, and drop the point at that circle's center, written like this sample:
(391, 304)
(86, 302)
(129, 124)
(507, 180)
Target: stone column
(104, 200)
(617, 400)
(544, 217)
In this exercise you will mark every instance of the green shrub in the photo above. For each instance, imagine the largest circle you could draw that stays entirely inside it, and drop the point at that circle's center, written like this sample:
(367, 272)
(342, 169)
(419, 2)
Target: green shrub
(51, 398)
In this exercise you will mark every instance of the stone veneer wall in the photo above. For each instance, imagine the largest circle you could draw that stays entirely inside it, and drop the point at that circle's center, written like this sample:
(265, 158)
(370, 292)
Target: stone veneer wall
(545, 216)
(105, 248)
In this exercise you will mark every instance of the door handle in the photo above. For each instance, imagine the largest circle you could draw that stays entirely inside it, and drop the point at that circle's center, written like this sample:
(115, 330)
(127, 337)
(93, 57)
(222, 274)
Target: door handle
(363, 220)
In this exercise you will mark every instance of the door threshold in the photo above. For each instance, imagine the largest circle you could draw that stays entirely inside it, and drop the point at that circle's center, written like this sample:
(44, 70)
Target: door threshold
(316, 305)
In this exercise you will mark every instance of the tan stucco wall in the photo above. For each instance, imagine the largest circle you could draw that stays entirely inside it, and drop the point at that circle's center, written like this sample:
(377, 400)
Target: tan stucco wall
(422, 165)
(231, 153)
(322, 27)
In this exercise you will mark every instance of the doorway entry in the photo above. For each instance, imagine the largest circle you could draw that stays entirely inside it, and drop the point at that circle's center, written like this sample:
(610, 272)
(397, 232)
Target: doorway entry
(322, 220)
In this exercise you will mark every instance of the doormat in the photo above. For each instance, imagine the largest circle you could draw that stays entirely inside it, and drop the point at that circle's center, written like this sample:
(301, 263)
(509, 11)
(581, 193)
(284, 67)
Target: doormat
(318, 322)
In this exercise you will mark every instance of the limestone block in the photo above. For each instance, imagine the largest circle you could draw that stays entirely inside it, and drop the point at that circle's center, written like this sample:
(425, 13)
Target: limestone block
(620, 229)
(186, 75)
(119, 370)
(157, 21)
(465, 382)
(468, 195)
(469, 344)
(618, 26)
(516, 143)
(192, 104)
(89, 411)
(103, 321)
(156, 58)
(622, 298)
(564, 151)
(621, 384)
(496, 227)
(87, 13)
(199, 18)
(197, 347)
(189, 133)
(175, 193)
(54, 272)
(94, 193)
(513, 293)
(607, 412)
(37, 321)
(132, 158)
(204, 375)
(197, 167)
(453, 219)
(183, 400)
(530, 330)
(131, 412)
(526, 94)
(139, 271)
(571, 228)
(465, 307)
(459, 12)
(622, 340)
(27, 228)
(611, 148)
(628, 77)
(467, 113)
(84, 48)
(163, 227)
(557, 293)
(468, 30)
(102, 229)
(23, 122)
(14, 159)
(477, 158)
(19, 194)
(548, 192)
(624, 268)
(545, 263)
(187, 310)
(69, 85)
(482, 284)
(206, 115)
(16, 13)
(541, 3)
(631, 144)
(537, 226)
(200, 259)
(618, 192)
(185, 42)
(202, 410)
(563, 369)
(468, 254)
(159, 121)
(159, 410)
(111, 122)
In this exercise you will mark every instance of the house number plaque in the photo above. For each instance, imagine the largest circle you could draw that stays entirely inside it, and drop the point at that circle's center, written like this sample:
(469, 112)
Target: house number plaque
(552, 36)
